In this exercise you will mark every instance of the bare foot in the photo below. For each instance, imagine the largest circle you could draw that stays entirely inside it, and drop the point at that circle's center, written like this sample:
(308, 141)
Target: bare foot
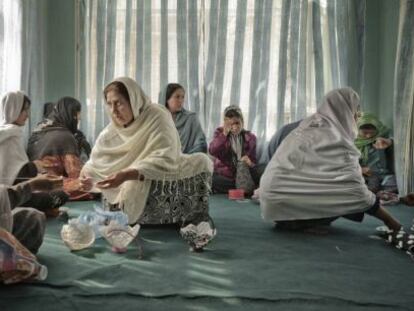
(408, 199)
(392, 223)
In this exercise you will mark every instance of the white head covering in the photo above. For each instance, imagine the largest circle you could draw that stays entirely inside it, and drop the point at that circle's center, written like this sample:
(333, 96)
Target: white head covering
(139, 100)
(12, 152)
(340, 106)
(11, 106)
(315, 172)
(149, 144)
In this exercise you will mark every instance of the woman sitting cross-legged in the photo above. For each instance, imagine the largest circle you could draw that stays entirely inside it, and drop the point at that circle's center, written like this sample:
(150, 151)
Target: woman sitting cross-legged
(314, 176)
(137, 162)
(55, 145)
(234, 149)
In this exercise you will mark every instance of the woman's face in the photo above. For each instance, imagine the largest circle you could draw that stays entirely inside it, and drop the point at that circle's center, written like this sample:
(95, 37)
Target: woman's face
(23, 116)
(234, 124)
(367, 133)
(78, 116)
(176, 101)
(120, 108)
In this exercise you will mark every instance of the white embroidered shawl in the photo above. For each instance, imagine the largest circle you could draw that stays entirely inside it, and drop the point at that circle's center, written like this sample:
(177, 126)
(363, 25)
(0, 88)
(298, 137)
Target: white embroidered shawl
(150, 144)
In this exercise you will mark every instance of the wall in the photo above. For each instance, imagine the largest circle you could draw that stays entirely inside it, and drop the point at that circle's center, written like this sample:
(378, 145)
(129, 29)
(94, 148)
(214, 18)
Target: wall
(388, 50)
(60, 72)
(369, 96)
(380, 52)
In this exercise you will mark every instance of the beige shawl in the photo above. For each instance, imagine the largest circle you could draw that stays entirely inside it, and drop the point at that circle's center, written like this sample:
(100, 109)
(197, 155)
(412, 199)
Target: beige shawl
(315, 172)
(150, 144)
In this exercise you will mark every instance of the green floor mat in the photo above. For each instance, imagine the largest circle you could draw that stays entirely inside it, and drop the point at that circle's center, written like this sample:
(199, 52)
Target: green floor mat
(250, 265)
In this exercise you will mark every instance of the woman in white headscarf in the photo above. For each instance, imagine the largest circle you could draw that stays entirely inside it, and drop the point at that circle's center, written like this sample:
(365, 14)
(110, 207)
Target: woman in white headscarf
(14, 163)
(14, 111)
(314, 176)
(137, 162)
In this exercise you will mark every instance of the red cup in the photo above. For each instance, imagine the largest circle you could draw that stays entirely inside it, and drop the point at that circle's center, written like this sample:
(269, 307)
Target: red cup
(236, 194)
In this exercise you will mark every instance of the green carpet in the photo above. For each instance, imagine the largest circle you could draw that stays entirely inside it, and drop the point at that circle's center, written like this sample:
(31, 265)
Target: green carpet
(249, 265)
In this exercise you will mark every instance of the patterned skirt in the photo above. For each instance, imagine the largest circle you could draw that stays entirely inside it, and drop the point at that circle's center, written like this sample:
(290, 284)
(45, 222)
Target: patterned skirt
(175, 202)
(178, 201)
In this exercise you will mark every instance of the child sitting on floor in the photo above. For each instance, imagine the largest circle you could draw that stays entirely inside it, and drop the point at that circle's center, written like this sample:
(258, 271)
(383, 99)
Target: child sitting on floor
(374, 144)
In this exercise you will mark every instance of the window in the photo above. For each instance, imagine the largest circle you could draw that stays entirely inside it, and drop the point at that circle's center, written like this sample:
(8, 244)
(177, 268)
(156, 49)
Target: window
(10, 45)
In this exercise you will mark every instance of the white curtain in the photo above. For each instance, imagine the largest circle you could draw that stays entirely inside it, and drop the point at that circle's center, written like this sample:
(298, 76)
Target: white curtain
(10, 45)
(22, 51)
(275, 59)
(34, 56)
(404, 100)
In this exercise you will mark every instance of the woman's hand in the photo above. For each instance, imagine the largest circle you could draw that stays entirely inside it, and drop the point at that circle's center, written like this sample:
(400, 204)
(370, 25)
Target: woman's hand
(39, 166)
(112, 181)
(86, 183)
(226, 127)
(115, 180)
(247, 160)
(366, 171)
(226, 130)
(46, 183)
(382, 143)
(42, 166)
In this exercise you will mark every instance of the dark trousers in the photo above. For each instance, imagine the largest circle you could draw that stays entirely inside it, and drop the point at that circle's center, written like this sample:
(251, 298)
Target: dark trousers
(223, 184)
(373, 182)
(309, 223)
(29, 227)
